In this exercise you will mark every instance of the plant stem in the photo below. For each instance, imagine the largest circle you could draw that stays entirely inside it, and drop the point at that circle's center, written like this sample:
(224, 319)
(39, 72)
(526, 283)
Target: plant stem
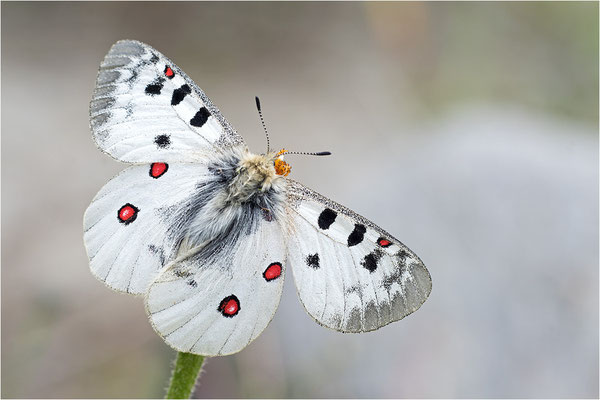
(186, 371)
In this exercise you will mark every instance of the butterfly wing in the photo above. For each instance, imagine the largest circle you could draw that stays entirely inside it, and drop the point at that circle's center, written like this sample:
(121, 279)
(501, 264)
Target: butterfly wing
(145, 109)
(132, 226)
(351, 275)
(215, 299)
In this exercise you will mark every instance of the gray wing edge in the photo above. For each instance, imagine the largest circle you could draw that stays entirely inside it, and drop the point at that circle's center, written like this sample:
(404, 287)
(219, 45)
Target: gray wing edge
(398, 306)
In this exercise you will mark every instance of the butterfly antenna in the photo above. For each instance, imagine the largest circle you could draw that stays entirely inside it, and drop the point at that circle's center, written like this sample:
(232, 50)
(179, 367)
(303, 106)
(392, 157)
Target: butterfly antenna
(320, 153)
(262, 121)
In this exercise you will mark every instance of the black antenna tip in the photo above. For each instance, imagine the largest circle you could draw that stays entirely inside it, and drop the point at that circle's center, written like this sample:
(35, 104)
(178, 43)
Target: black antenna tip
(257, 103)
(323, 153)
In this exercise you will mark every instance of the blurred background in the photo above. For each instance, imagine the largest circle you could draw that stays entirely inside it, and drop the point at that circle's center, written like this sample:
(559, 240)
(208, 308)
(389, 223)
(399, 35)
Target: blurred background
(467, 130)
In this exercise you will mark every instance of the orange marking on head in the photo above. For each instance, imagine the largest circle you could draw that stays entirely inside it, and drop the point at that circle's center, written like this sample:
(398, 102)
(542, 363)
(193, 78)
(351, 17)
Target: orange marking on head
(281, 167)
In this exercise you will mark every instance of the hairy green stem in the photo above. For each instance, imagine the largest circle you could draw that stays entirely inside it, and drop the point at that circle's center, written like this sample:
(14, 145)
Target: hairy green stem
(186, 371)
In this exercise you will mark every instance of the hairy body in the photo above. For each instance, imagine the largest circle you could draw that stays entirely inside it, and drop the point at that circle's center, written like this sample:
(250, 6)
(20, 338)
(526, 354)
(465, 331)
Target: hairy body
(244, 187)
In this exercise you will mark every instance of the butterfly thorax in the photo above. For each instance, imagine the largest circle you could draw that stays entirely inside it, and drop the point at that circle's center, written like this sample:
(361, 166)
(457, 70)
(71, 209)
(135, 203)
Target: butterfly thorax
(255, 175)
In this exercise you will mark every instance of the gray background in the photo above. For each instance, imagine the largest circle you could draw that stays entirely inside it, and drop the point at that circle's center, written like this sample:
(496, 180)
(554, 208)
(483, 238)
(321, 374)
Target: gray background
(468, 130)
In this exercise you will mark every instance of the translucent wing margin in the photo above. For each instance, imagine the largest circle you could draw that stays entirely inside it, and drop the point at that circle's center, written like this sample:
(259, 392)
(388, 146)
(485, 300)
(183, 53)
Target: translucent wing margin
(217, 298)
(146, 109)
(351, 275)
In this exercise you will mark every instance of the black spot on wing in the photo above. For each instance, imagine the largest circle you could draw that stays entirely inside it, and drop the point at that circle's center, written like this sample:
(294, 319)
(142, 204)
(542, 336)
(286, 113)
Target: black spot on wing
(162, 141)
(326, 218)
(357, 235)
(312, 260)
(200, 118)
(179, 94)
(371, 260)
(155, 87)
(154, 59)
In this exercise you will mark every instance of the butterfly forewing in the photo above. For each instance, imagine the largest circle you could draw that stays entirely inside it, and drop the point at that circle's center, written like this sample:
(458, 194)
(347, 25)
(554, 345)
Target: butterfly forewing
(351, 275)
(145, 109)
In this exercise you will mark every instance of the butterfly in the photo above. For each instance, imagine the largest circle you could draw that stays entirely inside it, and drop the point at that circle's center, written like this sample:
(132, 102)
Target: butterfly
(205, 230)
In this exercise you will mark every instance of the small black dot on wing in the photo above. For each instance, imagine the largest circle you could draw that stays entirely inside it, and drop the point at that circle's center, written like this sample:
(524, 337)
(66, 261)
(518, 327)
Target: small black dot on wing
(162, 141)
(312, 260)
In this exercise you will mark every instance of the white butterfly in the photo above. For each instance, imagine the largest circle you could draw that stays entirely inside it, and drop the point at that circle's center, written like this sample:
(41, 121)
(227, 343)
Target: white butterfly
(205, 230)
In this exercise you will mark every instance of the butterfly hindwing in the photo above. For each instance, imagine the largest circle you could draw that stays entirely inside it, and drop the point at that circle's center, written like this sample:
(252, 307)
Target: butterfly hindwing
(131, 226)
(145, 109)
(217, 298)
(351, 275)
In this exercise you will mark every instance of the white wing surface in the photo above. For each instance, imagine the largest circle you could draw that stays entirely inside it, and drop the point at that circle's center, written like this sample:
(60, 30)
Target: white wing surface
(145, 109)
(351, 275)
(216, 299)
(132, 225)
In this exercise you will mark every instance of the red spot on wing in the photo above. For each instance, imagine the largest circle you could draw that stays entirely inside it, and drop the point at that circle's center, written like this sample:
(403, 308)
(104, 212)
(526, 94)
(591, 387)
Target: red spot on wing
(229, 306)
(273, 271)
(383, 242)
(169, 72)
(158, 169)
(127, 214)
